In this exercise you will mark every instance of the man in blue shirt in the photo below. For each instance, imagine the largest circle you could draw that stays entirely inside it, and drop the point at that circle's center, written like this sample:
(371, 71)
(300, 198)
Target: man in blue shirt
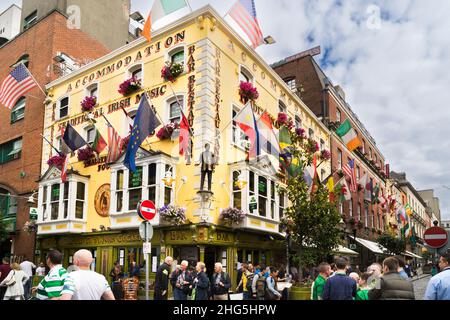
(340, 286)
(439, 286)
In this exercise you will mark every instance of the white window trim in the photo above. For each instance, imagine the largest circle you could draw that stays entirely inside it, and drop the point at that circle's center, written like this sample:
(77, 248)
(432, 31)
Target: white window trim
(72, 180)
(172, 99)
(133, 68)
(58, 107)
(244, 69)
(285, 107)
(160, 161)
(178, 48)
(237, 144)
(88, 89)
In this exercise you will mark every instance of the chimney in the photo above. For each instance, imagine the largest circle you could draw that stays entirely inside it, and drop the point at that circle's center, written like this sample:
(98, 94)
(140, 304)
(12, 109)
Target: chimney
(340, 92)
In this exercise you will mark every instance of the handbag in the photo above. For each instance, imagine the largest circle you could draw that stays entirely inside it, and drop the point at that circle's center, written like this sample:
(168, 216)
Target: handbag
(12, 281)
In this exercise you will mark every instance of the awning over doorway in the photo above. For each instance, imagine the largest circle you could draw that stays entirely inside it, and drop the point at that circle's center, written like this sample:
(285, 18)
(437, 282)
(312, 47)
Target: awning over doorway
(345, 251)
(412, 255)
(372, 246)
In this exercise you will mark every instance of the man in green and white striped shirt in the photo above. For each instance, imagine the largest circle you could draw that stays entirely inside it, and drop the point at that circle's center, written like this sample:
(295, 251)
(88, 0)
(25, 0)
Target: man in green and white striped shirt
(52, 285)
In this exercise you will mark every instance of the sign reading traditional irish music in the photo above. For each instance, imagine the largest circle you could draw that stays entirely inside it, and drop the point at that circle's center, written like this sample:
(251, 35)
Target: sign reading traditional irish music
(146, 210)
(435, 237)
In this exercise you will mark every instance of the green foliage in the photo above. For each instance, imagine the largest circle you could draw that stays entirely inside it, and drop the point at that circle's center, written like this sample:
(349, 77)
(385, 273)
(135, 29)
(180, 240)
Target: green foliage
(392, 244)
(3, 232)
(311, 218)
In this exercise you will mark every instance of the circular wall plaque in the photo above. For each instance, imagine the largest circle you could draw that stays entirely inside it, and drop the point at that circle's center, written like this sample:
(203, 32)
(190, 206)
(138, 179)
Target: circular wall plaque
(102, 200)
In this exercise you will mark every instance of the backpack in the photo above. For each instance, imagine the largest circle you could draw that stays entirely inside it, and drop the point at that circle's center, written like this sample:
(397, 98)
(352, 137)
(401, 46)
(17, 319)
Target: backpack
(249, 282)
(261, 287)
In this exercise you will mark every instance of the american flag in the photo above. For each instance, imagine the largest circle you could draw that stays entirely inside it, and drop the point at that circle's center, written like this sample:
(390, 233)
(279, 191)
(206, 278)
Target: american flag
(244, 13)
(350, 171)
(16, 84)
(114, 145)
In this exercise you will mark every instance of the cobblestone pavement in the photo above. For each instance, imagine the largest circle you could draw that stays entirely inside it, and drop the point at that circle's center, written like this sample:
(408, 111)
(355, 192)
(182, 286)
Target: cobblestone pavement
(420, 286)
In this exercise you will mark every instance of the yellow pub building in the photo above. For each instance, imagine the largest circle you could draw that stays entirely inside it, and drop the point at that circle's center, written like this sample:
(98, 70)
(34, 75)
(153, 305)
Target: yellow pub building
(96, 208)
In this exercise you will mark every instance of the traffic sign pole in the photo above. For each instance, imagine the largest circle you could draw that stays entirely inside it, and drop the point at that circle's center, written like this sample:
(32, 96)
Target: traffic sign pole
(147, 260)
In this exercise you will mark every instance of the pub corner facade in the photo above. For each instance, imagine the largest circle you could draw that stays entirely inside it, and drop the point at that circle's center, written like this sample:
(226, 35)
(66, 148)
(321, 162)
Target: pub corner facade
(96, 208)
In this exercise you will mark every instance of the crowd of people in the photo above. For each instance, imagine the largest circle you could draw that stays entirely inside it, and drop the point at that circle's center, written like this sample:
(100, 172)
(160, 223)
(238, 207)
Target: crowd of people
(338, 281)
(389, 281)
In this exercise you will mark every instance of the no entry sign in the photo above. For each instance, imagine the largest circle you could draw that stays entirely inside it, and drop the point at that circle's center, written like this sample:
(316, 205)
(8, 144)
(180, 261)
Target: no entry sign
(436, 237)
(146, 210)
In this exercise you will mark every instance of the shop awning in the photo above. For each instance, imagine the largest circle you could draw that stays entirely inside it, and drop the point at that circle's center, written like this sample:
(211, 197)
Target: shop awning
(345, 251)
(372, 246)
(412, 255)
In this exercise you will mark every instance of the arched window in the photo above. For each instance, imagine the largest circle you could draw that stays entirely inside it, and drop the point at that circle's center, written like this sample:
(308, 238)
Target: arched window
(25, 59)
(282, 107)
(92, 90)
(18, 112)
(174, 109)
(245, 75)
(136, 71)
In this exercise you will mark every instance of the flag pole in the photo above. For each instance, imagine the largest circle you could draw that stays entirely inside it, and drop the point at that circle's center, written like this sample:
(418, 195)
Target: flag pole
(60, 153)
(180, 107)
(37, 83)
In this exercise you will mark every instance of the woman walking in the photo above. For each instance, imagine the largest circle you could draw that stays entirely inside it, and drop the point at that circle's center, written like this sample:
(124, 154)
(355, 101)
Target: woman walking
(14, 282)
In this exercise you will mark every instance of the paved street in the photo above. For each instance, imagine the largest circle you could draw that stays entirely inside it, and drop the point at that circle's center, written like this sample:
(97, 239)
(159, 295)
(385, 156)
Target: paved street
(420, 286)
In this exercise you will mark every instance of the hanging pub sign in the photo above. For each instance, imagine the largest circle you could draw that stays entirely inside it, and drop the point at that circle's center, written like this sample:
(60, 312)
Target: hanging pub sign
(253, 204)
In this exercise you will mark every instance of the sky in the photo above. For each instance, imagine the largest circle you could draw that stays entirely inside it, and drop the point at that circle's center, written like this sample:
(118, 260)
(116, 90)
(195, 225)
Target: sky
(392, 58)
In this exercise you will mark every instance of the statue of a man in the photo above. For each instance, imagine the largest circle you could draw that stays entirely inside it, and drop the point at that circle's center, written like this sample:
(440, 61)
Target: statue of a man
(207, 162)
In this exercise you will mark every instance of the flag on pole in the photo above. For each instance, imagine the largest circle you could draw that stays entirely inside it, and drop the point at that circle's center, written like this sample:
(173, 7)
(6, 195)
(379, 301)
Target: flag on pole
(363, 180)
(330, 187)
(115, 144)
(185, 137)
(145, 123)
(408, 210)
(269, 141)
(349, 170)
(64, 169)
(342, 190)
(244, 13)
(72, 139)
(247, 122)
(160, 9)
(348, 135)
(99, 143)
(375, 194)
(368, 191)
(17, 83)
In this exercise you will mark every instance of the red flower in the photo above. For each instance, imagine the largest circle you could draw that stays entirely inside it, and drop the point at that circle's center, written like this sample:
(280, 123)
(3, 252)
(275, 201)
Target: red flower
(129, 86)
(247, 91)
(88, 104)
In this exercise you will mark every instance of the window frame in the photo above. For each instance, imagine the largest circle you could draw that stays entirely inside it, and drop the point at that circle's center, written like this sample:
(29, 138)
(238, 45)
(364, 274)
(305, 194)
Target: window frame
(173, 101)
(18, 108)
(30, 20)
(244, 72)
(90, 88)
(59, 104)
(133, 69)
(8, 151)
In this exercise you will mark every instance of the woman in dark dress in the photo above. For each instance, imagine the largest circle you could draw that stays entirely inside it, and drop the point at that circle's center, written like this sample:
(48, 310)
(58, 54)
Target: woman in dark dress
(201, 282)
(116, 275)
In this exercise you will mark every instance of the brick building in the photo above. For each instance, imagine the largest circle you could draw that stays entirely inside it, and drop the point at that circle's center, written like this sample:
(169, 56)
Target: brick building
(363, 220)
(39, 47)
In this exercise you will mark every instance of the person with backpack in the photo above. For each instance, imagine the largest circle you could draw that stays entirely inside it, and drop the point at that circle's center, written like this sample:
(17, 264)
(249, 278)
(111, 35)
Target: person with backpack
(271, 288)
(220, 283)
(247, 282)
(259, 285)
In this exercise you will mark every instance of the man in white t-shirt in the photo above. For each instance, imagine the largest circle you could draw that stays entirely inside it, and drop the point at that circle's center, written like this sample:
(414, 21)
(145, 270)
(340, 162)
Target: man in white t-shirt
(27, 267)
(85, 284)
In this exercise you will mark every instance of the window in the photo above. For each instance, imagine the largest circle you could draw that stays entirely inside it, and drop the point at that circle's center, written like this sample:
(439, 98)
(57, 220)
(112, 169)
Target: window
(177, 57)
(10, 151)
(311, 133)
(66, 200)
(152, 185)
(25, 59)
(245, 75)
(134, 188)
(174, 109)
(364, 146)
(30, 20)
(322, 174)
(358, 173)
(339, 159)
(282, 107)
(92, 90)
(45, 204)
(373, 219)
(292, 84)
(237, 193)
(338, 115)
(168, 189)
(298, 122)
(322, 145)
(370, 154)
(7, 204)
(262, 199)
(272, 199)
(366, 216)
(54, 202)
(18, 112)
(119, 190)
(136, 72)
(63, 107)
(79, 203)
(90, 135)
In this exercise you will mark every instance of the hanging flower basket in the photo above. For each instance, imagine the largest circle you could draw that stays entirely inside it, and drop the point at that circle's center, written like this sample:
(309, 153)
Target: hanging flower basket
(88, 104)
(30, 226)
(173, 215)
(287, 224)
(301, 133)
(56, 161)
(248, 92)
(325, 155)
(360, 224)
(232, 216)
(166, 132)
(129, 86)
(171, 71)
(85, 154)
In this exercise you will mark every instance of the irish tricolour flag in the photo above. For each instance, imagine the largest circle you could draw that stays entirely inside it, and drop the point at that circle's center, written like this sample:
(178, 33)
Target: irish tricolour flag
(349, 136)
(160, 9)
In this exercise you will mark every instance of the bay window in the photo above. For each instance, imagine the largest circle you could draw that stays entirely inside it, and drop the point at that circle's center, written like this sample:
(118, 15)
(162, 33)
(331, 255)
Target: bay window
(134, 188)
(237, 192)
(262, 199)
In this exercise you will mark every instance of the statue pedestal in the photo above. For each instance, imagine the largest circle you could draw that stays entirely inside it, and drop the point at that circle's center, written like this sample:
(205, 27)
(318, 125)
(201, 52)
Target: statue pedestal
(205, 198)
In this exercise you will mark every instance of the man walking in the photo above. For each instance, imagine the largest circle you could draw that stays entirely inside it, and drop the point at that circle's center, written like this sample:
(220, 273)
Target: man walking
(340, 286)
(85, 284)
(391, 285)
(319, 284)
(220, 282)
(181, 281)
(27, 267)
(162, 279)
(439, 286)
(5, 268)
(51, 286)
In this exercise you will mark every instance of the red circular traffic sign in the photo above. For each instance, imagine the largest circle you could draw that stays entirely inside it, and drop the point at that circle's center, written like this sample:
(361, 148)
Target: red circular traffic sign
(146, 210)
(436, 237)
